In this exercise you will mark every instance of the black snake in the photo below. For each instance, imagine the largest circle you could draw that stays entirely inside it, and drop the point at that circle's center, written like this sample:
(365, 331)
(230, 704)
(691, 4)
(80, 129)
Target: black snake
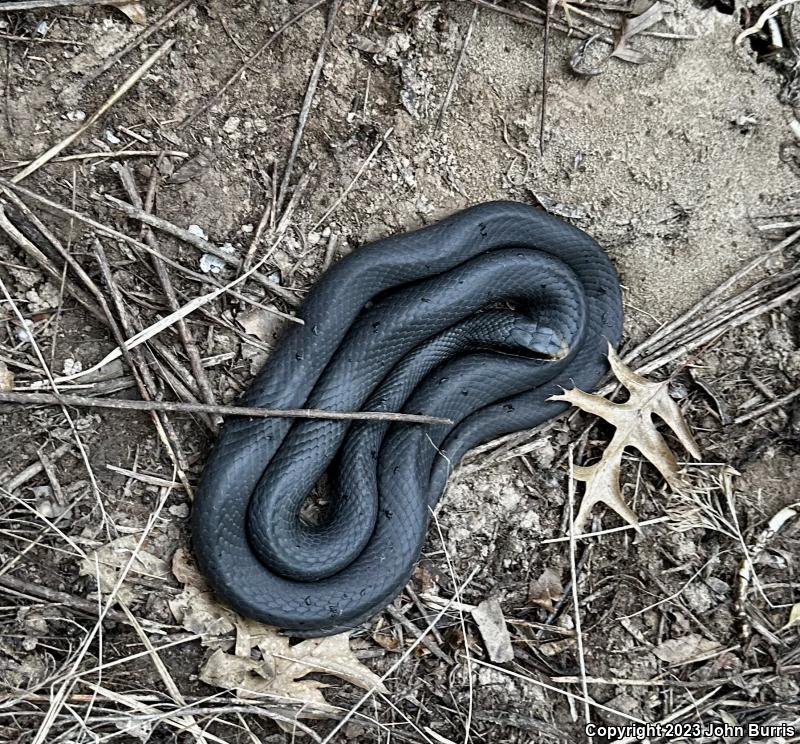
(422, 323)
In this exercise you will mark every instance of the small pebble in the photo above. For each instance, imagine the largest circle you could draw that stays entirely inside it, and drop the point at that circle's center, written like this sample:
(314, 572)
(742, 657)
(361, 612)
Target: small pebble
(179, 510)
(23, 334)
(231, 125)
(197, 230)
(210, 264)
(72, 367)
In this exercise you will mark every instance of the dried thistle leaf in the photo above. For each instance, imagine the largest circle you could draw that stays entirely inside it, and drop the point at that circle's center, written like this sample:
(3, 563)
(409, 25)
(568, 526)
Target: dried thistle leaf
(633, 421)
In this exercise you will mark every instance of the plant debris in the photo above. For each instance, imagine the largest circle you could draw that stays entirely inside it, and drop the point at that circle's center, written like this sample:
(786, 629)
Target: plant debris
(634, 427)
(280, 669)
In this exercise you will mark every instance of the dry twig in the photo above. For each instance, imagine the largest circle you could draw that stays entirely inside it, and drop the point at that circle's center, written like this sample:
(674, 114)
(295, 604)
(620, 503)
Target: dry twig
(81, 401)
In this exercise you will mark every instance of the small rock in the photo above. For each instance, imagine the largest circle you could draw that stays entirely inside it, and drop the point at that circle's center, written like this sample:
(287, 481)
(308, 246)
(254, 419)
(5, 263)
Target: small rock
(210, 264)
(72, 367)
(197, 230)
(492, 626)
(24, 334)
(231, 125)
(76, 115)
(181, 511)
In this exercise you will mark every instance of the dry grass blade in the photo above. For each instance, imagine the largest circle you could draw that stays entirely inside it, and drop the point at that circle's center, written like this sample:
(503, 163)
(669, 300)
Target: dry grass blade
(454, 77)
(10, 187)
(161, 325)
(633, 26)
(38, 4)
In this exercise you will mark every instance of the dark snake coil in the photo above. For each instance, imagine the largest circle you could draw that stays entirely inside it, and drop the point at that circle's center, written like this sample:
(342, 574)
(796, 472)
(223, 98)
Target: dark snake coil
(419, 323)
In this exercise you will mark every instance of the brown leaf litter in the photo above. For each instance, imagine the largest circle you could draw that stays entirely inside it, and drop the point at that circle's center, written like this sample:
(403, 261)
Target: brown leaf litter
(634, 425)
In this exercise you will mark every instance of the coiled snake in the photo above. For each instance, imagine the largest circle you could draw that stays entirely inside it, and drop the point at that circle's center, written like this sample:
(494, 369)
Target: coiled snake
(417, 322)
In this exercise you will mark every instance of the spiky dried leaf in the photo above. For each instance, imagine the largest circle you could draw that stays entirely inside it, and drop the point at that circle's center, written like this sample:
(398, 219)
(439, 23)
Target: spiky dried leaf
(633, 421)
(281, 669)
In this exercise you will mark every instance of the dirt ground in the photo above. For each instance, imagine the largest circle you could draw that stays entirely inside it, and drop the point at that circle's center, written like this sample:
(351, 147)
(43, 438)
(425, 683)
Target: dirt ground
(683, 167)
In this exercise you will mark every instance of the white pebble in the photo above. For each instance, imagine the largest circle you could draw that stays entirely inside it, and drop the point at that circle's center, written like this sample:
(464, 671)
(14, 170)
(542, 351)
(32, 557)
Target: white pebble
(210, 264)
(231, 125)
(72, 367)
(24, 333)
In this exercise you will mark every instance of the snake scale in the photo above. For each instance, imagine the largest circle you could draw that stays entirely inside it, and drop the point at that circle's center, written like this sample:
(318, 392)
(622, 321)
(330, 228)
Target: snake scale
(477, 319)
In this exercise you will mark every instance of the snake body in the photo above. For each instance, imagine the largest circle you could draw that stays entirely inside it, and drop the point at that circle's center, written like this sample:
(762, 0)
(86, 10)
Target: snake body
(417, 322)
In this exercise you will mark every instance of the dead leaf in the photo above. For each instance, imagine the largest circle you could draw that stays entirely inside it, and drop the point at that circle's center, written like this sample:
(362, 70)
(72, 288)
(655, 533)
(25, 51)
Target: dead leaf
(491, 623)
(560, 209)
(281, 668)
(106, 564)
(263, 325)
(634, 425)
(633, 26)
(260, 324)
(234, 672)
(794, 616)
(546, 589)
(688, 648)
(192, 168)
(135, 12)
(329, 655)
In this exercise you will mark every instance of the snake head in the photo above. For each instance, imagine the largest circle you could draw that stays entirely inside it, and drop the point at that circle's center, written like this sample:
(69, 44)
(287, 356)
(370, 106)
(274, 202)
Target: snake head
(538, 340)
